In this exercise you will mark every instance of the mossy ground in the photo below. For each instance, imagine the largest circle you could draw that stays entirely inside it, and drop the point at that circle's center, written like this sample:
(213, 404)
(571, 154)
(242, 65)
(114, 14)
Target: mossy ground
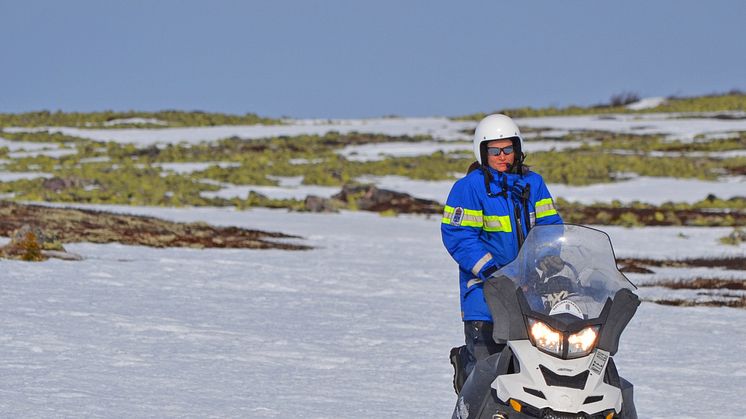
(725, 102)
(113, 173)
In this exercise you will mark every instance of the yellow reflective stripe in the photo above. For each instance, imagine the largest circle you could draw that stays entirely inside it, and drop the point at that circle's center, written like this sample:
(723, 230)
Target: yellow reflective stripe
(469, 218)
(545, 208)
(480, 263)
(497, 223)
(447, 214)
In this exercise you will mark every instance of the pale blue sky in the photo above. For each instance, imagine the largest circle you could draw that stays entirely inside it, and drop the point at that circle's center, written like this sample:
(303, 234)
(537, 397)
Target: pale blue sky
(345, 58)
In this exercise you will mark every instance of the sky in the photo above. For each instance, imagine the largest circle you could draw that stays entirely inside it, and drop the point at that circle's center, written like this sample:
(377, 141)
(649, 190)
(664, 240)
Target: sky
(351, 59)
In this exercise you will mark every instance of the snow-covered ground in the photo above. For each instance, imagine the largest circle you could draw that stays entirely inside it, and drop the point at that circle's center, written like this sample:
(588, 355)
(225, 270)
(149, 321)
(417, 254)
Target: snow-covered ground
(360, 326)
(53, 152)
(675, 126)
(672, 125)
(653, 190)
(439, 128)
(644, 189)
(125, 121)
(13, 176)
(370, 152)
(185, 168)
(25, 145)
(289, 187)
(646, 103)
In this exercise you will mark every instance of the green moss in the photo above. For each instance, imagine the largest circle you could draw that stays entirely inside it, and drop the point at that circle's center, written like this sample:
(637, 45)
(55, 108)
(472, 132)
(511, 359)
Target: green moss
(99, 119)
(731, 101)
(588, 167)
(735, 238)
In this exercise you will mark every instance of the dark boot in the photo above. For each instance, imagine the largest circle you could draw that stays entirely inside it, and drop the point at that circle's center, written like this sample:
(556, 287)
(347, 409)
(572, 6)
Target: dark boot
(459, 373)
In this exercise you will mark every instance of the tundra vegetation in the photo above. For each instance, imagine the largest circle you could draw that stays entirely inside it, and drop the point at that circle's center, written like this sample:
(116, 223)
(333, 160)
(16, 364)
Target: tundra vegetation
(734, 100)
(131, 119)
(98, 172)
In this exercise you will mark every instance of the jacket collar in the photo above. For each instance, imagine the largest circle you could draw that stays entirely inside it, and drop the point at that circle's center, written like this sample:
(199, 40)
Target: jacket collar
(498, 175)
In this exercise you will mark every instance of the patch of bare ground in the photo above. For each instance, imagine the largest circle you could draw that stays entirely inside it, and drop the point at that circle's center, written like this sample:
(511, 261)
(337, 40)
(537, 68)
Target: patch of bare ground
(714, 296)
(632, 265)
(608, 215)
(732, 303)
(700, 283)
(69, 225)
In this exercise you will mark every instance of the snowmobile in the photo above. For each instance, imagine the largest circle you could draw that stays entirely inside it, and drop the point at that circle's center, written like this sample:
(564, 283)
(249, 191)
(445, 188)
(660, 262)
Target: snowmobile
(560, 306)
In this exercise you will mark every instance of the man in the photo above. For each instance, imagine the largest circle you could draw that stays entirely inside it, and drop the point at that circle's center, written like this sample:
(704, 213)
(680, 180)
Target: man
(487, 216)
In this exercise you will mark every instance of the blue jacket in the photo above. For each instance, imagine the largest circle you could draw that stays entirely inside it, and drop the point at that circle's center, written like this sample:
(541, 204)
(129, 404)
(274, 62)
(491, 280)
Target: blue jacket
(481, 232)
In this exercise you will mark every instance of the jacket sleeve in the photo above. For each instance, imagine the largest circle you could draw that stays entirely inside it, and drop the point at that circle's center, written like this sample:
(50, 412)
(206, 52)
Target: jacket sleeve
(544, 209)
(461, 228)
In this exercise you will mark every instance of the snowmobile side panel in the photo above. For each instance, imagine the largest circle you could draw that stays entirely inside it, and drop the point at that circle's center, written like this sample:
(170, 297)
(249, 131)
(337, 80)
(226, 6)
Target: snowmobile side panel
(624, 307)
(501, 297)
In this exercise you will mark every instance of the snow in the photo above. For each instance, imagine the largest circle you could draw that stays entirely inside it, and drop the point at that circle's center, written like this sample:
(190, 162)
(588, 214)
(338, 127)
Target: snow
(125, 121)
(675, 126)
(289, 187)
(360, 326)
(439, 128)
(697, 154)
(186, 168)
(25, 145)
(54, 153)
(13, 176)
(371, 152)
(671, 242)
(426, 189)
(652, 190)
(646, 103)
(101, 159)
(686, 274)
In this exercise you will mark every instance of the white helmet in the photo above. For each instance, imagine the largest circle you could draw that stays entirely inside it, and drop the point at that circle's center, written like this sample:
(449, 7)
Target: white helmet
(496, 127)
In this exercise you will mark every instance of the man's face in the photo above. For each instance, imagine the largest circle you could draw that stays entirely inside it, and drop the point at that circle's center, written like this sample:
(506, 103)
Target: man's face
(502, 162)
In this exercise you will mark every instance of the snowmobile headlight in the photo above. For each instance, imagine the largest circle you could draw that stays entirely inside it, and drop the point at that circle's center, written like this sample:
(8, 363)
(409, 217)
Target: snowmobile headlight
(582, 343)
(544, 337)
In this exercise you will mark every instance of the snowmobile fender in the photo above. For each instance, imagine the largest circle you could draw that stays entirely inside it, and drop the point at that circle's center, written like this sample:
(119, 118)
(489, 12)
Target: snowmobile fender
(477, 397)
(628, 404)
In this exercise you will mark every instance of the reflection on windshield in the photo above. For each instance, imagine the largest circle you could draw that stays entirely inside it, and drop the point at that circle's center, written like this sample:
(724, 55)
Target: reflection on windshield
(566, 269)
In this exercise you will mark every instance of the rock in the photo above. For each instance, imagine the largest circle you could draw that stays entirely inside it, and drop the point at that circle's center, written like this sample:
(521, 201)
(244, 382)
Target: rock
(315, 203)
(58, 184)
(370, 198)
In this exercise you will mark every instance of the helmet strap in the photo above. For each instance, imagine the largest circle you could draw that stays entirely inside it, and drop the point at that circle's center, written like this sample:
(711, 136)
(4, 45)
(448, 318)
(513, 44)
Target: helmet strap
(488, 182)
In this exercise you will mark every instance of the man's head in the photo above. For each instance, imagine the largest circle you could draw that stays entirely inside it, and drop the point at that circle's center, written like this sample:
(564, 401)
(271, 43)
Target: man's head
(498, 131)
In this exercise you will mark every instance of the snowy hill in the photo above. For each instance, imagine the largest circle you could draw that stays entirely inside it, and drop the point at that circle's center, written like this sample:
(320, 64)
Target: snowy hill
(359, 326)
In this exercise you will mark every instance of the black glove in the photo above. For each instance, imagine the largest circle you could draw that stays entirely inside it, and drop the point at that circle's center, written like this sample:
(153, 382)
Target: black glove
(520, 190)
(487, 270)
(550, 265)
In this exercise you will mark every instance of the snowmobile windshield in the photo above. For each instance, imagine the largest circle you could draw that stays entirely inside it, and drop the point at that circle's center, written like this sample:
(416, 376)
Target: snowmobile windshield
(568, 264)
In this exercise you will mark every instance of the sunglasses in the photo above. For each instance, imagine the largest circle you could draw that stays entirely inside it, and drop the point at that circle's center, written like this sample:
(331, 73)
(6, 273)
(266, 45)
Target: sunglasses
(495, 151)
